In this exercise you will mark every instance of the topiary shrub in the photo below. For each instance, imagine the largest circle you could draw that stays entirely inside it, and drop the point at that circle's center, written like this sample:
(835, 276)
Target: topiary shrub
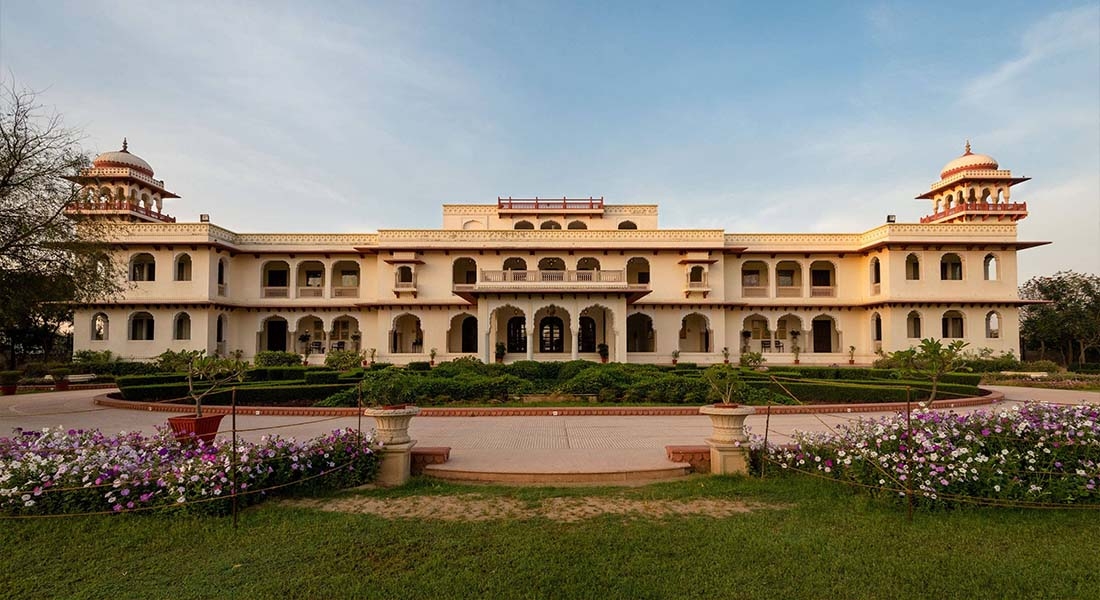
(128, 381)
(273, 358)
(343, 360)
(419, 365)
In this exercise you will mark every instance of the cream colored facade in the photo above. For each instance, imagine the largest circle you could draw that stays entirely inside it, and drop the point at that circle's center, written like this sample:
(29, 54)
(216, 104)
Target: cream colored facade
(553, 279)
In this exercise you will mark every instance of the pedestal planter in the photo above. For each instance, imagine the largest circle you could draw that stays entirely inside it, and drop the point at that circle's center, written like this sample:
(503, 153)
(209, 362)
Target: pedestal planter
(392, 427)
(728, 442)
(203, 428)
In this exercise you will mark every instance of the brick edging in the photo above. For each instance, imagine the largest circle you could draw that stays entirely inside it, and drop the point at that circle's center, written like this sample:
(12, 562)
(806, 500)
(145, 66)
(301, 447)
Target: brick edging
(570, 411)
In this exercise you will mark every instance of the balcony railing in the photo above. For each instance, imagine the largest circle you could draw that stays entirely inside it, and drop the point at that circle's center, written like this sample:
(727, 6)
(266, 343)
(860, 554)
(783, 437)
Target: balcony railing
(515, 279)
(310, 292)
(977, 207)
(541, 204)
(754, 291)
(345, 292)
(823, 291)
(118, 206)
(697, 284)
(221, 289)
(876, 289)
(276, 292)
(788, 291)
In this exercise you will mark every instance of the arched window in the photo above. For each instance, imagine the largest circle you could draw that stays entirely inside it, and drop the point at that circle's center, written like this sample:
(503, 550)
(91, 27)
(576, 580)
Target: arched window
(876, 327)
(990, 268)
(951, 267)
(550, 225)
(222, 276)
(551, 335)
(953, 324)
(404, 274)
(183, 267)
(588, 263)
(515, 263)
(523, 225)
(640, 336)
(912, 268)
(577, 225)
(464, 271)
(876, 271)
(586, 337)
(181, 328)
(637, 271)
(551, 263)
(143, 267)
(628, 225)
(469, 334)
(912, 325)
(101, 327)
(141, 326)
(993, 325)
(695, 275)
(517, 334)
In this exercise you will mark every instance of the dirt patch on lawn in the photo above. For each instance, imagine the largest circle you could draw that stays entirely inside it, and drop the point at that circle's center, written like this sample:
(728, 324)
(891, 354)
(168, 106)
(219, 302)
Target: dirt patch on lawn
(477, 507)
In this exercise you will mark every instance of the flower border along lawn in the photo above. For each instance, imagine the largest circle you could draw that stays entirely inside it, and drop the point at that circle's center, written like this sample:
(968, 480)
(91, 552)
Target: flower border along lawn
(821, 540)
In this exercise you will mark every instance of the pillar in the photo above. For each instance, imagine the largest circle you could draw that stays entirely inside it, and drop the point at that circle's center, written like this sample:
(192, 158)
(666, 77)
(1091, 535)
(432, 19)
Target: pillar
(530, 340)
(575, 331)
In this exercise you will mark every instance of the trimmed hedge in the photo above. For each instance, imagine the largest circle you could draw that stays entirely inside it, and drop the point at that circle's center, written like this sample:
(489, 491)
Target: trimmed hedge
(854, 393)
(272, 358)
(254, 395)
(297, 372)
(322, 377)
(128, 381)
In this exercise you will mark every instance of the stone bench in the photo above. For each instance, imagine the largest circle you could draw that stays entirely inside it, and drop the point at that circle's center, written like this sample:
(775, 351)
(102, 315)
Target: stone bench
(696, 456)
(81, 378)
(428, 455)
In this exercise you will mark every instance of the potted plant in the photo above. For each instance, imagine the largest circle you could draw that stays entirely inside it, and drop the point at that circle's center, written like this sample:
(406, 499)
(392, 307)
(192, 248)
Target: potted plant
(431, 356)
(725, 355)
(795, 349)
(391, 420)
(603, 351)
(675, 356)
(304, 340)
(727, 419)
(217, 372)
(9, 381)
(745, 336)
(501, 350)
(355, 337)
(60, 381)
(851, 355)
(370, 357)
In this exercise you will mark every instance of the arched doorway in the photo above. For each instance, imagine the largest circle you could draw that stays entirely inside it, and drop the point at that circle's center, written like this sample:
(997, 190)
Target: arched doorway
(640, 336)
(273, 334)
(586, 337)
(406, 336)
(694, 334)
(462, 336)
(551, 335)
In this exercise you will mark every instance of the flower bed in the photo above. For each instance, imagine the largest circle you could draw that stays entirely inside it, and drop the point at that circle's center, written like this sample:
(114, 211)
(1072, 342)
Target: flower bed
(1031, 455)
(54, 471)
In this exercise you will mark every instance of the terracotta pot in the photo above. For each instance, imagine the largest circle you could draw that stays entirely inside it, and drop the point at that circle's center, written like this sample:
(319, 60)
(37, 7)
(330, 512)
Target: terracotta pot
(675, 360)
(851, 361)
(796, 361)
(188, 427)
(603, 359)
(726, 361)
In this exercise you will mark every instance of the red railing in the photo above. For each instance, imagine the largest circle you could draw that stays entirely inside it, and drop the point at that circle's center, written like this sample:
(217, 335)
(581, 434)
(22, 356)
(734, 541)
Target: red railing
(119, 205)
(979, 207)
(537, 203)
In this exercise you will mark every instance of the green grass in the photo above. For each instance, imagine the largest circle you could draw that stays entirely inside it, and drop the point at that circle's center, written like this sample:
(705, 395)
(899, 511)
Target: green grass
(825, 542)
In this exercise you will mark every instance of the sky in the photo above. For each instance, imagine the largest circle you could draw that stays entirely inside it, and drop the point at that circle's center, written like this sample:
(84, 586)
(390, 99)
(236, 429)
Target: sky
(746, 116)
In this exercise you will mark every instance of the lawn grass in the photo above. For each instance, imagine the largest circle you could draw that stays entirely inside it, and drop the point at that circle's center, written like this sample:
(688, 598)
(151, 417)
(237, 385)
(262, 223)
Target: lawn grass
(825, 541)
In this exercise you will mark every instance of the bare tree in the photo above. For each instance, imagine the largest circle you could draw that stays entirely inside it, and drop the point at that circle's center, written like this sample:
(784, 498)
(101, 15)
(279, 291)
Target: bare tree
(46, 263)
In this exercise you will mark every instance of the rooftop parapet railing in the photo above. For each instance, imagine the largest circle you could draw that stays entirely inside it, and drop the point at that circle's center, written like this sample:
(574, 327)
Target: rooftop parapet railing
(555, 205)
(976, 207)
(118, 206)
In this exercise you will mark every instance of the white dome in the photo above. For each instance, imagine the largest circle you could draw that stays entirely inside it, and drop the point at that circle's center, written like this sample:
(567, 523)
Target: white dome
(969, 162)
(123, 158)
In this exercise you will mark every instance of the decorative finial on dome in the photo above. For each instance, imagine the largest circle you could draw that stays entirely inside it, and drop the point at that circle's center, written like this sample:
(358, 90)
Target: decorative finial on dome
(124, 146)
(967, 147)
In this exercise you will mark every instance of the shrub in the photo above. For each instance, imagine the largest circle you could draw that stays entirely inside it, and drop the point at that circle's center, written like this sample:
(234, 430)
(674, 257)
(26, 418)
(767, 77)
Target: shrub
(419, 365)
(273, 358)
(321, 377)
(991, 456)
(89, 472)
(60, 373)
(10, 377)
(1048, 366)
(343, 360)
(752, 359)
(35, 370)
(174, 362)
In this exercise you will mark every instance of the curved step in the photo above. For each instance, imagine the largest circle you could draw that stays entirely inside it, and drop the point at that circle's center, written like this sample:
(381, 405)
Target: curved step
(451, 473)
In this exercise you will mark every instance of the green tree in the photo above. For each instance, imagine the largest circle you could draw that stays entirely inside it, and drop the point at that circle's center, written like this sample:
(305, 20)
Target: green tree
(933, 359)
(1067, 317)
(46, 263)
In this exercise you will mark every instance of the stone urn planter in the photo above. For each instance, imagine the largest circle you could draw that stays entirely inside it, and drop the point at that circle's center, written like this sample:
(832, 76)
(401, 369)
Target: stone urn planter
(727, 441)
(392, 427)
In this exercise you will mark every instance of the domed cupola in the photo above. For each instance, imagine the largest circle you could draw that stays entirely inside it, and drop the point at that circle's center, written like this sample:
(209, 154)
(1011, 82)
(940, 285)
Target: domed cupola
(123, 159)
(973, 187)
(969, 162)
(119, 186)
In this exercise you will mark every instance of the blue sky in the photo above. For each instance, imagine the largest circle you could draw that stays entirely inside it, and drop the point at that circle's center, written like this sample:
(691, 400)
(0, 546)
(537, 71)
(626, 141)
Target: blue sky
(749, 116)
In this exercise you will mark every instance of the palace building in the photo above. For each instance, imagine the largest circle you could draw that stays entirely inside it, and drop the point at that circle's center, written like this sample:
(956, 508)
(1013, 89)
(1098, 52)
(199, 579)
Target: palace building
(555, 279)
